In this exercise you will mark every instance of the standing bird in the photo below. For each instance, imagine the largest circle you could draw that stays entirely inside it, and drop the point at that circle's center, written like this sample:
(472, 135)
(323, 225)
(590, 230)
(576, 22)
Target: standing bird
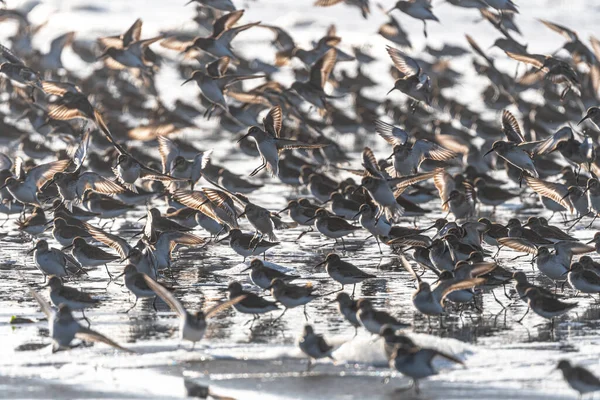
(343, 272)
(270, 144)
(416, 362)
(579, 378)
(314, 345)
(192, 326)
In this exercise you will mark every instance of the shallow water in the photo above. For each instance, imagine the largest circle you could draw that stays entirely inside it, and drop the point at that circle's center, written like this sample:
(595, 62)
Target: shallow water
(503, 358)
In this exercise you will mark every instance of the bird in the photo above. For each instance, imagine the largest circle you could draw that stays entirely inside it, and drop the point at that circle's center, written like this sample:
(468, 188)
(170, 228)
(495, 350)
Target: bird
(343, 272)
(270, 144)
(414, 82)
(192, 326)
(64, 328)
(314, 345)
(579, 378)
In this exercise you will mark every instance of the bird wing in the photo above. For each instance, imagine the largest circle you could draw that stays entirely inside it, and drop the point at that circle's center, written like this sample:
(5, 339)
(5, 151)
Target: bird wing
(390, 133)
(511, 128)
(133, 34)
(168, 151)
(218, 67)
(518, 244)
(369, 162)
(226, 22)
(222, 306)
(478, 50)
(166, 296)
(288, 144)
(178, 42)
(227, 36)
(426, 149)
(59, 88)
(46, 309)
(405, 64)
(177, 238)
(537, 60)
(444, 184)
(113, 241)
(80, 152)
(43, 173)
(549, 145)
(553, 191)
(577, 248)
(202, 159)
(406, 265)
(405, 181)
(326, 3)
(97, 183)
(462, 285)
(319, 72)
(273, 121)
(93, 336)
(564, 31)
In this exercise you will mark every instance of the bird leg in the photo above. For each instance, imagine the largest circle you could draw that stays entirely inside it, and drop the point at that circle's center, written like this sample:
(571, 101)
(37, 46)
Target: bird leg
(133, 306)
(260, 168)
(521, 319)
(85, 318)
(305, 313)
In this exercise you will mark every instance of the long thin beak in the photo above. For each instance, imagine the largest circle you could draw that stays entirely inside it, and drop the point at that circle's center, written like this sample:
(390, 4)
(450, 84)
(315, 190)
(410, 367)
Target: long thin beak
(357, 214)
(67, 247)
(319, 264)
(186, 81)
(31, 251)
(357, 189)
(446, 202)
(143, 217)
(327, 201)
(242, 214)
(246, 269)
(225, 238)
(591, 241)
(488, 152)
(280, 211)
(311, 219)
(118, 276)
(583, 119)
(565, 196)
(390, 91)
(243, 137)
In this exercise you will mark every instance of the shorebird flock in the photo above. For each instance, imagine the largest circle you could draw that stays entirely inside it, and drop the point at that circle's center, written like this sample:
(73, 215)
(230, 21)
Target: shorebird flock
(84, 153)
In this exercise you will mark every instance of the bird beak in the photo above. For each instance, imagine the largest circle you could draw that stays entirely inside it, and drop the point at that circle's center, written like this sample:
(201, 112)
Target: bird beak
(242, 214)
(488, 152)
(246, 269)
(391, 90)
(357, 214)
(143, 217)
(118, 276)
(225, 238)
(49, 222)
(591, 241)
(446, 202)
(565, 196)
(583, 119)
(103, 55)
(243, 137)
(280, 211)
(319, 264)
(187, 80)
(31, 251)
(67, 247)
(357, 189)
(311, 219)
